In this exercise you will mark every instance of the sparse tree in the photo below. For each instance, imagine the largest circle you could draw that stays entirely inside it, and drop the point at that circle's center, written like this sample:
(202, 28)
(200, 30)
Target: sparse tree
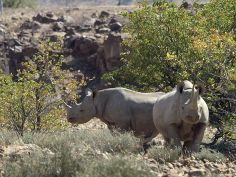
(32, 102)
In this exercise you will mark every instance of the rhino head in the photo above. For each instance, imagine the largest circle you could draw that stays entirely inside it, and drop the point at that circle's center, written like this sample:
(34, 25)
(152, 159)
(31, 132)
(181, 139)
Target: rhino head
(82, 112)
(189, 96)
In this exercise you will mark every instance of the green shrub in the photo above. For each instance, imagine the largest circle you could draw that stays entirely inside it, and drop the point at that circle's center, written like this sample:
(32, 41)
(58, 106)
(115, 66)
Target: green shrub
(31, 101)
(101, 140)
(164, 154)
(119, 167)
(210, 155)
(19, 3)
(169, 44)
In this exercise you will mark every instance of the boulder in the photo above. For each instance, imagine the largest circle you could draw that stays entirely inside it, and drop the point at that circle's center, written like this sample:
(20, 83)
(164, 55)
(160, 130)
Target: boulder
(29, 51)
(112, 50)
(116, 26)
(84, 46)
(99, 22)
(32, 25)
(104, 14)
(15, 152)
(45, 18)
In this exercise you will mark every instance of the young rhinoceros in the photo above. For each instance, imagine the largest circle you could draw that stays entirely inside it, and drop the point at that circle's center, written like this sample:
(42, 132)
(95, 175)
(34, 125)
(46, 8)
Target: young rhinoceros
(182, 115)
(119, 108)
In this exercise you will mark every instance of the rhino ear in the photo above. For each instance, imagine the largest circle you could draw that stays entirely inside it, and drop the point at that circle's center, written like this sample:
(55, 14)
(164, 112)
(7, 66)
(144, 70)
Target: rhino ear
(88, 92)
(180, 87)
(201, 88)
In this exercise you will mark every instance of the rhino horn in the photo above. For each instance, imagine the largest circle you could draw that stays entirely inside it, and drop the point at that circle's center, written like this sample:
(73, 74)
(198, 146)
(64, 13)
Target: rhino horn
(192, 94)
(194, 98)
(78, 104)
(67, 106)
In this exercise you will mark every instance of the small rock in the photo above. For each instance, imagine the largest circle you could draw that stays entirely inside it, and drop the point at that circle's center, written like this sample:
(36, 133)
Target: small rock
(30, 25)
(58, 26)
(170, 165)
(113, 20)
(66, 19)
(197, 172)
(103, 30)
(97, 35)
(41, 18)
(116, 26)
(94, 15)
(14, 18)
(104, 14)
(99, 22)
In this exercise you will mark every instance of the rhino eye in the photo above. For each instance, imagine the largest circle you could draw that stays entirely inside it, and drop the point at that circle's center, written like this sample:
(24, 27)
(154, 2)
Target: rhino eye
(182, 107)
(81, 110)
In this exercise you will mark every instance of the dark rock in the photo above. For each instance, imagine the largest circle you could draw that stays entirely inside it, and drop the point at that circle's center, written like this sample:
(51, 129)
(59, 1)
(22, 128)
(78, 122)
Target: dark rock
(197, 172)
(29, 51)
(113, 20)
(104, 14)
(94, 15)
(66, 19)
(58, 26)
(30, 25)
(84, 46)
(70, 31)
(41, 18)
(14, 42)
(92, 60)
(99, 22)
(14, 18)
(112, 50)
(84, 28)
(116, 26)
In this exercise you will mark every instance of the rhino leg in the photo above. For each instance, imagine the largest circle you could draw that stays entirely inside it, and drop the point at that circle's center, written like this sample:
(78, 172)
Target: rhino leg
(173, 135)
(166, 141)
(194, 145)
(147, 141)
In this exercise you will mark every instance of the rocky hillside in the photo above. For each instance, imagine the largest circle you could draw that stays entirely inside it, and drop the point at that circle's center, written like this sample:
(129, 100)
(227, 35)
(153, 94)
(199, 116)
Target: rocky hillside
(91, 38)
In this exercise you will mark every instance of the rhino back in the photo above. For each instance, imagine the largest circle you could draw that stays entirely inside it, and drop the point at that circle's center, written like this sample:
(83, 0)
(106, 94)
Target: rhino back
(124, 106)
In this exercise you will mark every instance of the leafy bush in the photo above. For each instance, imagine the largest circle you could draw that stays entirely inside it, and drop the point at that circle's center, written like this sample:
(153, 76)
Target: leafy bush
(19, 3)
(32, 102)
(170, 44)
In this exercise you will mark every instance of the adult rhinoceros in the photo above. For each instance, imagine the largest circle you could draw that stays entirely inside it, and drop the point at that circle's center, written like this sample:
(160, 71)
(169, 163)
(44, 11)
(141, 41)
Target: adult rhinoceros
(119, 108)
(182, 115)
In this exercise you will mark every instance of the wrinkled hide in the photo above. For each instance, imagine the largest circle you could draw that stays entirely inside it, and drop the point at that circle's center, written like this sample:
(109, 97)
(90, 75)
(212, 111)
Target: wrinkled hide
(119, 108)
(182, 115)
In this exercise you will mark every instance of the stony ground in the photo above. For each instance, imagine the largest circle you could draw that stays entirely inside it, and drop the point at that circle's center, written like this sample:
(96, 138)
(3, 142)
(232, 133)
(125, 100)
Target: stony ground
(204, 164)
(161, 162)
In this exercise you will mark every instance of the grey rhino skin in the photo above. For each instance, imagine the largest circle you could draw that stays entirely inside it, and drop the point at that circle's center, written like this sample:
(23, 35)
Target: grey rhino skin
(182, 115)
(119, 108)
